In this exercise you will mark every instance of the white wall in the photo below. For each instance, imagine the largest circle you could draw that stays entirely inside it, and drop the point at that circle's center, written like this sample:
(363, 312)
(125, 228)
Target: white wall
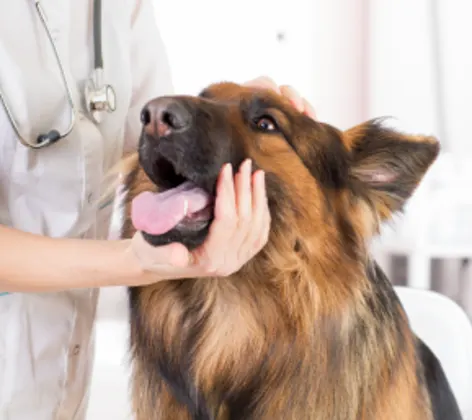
(321, 53)
(401, 73)
(352, 59)
(339, 65)
(456, 67)
(407, 81)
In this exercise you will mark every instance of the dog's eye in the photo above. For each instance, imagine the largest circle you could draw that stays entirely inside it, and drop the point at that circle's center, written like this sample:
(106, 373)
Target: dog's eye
(266, 124)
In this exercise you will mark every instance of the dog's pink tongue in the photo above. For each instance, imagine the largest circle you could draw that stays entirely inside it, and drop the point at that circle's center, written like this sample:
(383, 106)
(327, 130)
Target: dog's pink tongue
(157, 213)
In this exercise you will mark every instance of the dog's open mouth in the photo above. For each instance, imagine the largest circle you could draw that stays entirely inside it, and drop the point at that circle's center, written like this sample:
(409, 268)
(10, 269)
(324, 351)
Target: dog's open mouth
(180, 204)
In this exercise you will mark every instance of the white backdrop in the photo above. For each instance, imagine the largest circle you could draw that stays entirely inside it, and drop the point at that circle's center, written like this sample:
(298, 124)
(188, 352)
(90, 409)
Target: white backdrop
(314, 45)
(352, 59)
(420, 67)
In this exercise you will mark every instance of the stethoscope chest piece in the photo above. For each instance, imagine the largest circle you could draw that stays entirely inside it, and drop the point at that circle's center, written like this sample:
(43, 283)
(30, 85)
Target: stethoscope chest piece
(99, 97)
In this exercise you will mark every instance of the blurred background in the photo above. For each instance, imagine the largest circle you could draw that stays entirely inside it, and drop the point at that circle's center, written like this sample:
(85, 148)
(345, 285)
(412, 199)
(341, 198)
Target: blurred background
(354, 60)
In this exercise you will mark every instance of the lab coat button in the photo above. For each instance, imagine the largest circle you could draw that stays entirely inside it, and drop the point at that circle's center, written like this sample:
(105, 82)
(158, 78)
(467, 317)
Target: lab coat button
(76, 350)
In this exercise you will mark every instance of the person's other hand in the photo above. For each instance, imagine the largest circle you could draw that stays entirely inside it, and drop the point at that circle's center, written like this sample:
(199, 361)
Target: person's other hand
(239, 231)
(289, 92)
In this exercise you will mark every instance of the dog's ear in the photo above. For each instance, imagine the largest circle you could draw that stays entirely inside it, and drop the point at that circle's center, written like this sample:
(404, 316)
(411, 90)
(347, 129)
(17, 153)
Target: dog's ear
(386, 165)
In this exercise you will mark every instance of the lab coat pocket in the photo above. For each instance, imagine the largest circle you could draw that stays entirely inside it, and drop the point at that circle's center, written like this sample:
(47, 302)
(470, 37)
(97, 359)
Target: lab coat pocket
(11, 327)
(35, 334)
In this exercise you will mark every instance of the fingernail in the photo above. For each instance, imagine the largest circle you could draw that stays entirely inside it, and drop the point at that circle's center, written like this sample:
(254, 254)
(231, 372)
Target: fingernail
(249, 165)
(228, 172)
(246, 166)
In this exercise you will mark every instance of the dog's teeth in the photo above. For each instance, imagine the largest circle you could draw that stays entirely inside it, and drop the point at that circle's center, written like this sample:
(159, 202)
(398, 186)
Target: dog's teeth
(185, 208)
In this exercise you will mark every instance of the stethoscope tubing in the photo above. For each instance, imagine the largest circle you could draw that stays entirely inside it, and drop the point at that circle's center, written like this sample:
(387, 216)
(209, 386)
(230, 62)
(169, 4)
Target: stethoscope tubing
(53, 136)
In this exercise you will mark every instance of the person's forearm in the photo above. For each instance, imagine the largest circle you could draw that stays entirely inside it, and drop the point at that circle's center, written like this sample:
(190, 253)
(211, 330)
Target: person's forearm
(32, 263)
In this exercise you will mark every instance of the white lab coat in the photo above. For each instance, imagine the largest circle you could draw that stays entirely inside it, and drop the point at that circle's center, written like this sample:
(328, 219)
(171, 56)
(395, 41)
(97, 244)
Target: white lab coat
(46, 340)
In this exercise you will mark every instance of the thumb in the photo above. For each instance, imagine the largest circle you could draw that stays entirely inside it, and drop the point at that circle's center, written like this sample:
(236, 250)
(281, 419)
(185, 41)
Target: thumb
(157, 257)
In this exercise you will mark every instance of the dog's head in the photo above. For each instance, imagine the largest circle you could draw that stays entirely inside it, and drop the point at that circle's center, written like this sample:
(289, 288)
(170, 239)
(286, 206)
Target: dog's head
(322, 183)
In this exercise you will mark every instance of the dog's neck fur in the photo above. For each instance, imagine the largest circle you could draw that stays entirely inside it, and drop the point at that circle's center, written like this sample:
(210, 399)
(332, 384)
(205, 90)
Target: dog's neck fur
(234, 318)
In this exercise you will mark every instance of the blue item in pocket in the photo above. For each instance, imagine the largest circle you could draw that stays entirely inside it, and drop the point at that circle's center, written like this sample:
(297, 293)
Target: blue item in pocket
(4, 293)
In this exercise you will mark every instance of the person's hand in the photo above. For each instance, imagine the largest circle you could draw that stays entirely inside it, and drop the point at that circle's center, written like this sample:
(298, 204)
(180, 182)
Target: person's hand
(287, 91)
(239, 231)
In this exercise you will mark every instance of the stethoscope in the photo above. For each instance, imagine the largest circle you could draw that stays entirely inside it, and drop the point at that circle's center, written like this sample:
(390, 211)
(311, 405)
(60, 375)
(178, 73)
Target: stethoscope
(99, 97)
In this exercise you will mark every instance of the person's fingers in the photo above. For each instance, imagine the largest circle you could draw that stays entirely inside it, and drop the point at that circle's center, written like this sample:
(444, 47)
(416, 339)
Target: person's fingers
(263, 82)
(225, 195)
(309, 110)
(211, 255)
(243, 193)
(244, 208)
(235, 239)
(258, 231)
(298, 101)
(291, 94)
(259, 194)
(260, 213)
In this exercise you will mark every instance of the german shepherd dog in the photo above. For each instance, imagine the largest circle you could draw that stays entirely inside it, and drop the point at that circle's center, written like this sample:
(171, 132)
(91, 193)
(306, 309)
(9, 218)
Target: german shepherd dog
(310, 328)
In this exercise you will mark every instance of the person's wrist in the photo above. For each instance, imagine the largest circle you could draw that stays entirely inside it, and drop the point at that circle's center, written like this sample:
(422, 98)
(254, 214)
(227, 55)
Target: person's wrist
(127, 270)
(131, 270)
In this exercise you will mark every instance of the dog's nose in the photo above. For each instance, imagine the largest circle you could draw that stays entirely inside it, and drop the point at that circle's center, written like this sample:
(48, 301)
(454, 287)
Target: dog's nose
(162, 116)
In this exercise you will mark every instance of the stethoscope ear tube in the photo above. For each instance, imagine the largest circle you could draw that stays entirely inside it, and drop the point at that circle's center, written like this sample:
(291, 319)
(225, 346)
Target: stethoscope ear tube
(97, 34)
(52, 136)
(99, 97)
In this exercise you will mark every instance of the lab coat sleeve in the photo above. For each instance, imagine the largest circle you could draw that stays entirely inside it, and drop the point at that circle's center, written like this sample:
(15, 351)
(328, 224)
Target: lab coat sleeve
(149, 67)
